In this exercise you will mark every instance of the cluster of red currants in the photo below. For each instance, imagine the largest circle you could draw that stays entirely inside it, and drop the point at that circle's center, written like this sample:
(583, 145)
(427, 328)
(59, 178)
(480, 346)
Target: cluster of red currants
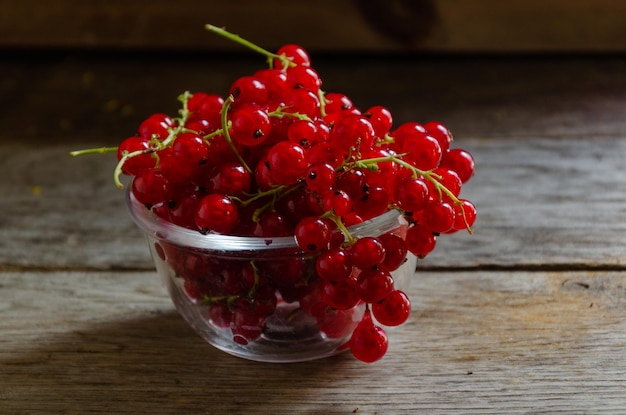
(278, 156)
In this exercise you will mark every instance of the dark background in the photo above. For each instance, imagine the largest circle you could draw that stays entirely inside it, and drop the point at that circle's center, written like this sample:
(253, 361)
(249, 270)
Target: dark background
(92, 70)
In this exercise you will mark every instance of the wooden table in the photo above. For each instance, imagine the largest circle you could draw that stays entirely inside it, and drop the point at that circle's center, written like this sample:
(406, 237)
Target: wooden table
(526, 316)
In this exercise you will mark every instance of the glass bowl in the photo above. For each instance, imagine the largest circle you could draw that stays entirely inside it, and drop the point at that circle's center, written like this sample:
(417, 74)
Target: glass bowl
(252, 297)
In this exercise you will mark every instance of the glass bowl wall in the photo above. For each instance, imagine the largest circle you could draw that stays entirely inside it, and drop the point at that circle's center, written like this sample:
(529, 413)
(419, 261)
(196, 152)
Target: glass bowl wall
(256, 298)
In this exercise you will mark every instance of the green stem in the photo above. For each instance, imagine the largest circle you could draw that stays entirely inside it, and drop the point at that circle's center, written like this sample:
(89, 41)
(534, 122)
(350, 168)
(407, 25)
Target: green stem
(101, 150)
(322, 97)
(184, 115)
(260, 195)
(428, 175)
(229, 140)
(237, 39)
(280, 113)
(340, 225)
(120, 164)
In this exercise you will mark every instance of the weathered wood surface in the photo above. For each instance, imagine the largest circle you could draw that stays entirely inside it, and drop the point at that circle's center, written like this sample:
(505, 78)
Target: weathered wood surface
(477, 343)
(526, 316)
(58, 97)
(362, 25)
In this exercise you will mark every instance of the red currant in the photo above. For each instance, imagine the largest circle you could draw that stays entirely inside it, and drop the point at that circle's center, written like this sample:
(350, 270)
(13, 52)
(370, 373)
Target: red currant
(135, 165)
(374, 284)
(369, 342)
(411, 194)
(395, 251)
(392, 310)
(420, 240)
(217, 213)
(287, 162)
(367, 252)
(313, 234)
(381, 119)
(460, 161)
(320, 177)
(250, 125)
(441, 133)
(334, 265)
(156, 126)
(296, 54)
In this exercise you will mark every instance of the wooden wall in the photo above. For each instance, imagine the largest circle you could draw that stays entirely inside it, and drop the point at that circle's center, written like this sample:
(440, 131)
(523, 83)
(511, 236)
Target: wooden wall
(448, 26)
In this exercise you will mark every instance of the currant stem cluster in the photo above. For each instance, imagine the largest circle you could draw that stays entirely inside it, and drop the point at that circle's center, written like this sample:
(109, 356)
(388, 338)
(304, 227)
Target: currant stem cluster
(279, 156)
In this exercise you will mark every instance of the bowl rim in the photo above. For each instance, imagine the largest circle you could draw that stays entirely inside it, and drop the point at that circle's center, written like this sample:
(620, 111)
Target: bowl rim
(154, 226)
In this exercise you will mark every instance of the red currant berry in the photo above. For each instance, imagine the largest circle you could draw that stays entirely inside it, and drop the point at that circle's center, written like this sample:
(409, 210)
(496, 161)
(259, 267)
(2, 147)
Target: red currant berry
(303, 132)
(250, 125)
(439, 216)
(353, 182)
(230, 179)
(183, 213)
(422, 151)
(326, 153)
(338, 202)
(313, 234)
(304, 102)
(272, 224)
(200, 126)
(219, 314)
(405, 131)
(320, 177)
(303, 77)
(460, 161)
(296, 54)
(152, 187)
(248, 90)
(411, 194)
(139, 163)
(341, 295)
(246, 322)
(465, 215)
(447, 178)
(385, 171)
(336, 102)
(275, 82)
(336, 324)
(368, 342)
(374, 284)
(353, 131)
(287, 162)
(334, 265)
(373, 202)
(381, 119)
(262, 176)
(191, 149)
(420, 240)
(441, 133)
(156, 126)
(367, 252)
(216, 213)
(392, 310)
(208, 108)
(395, 251)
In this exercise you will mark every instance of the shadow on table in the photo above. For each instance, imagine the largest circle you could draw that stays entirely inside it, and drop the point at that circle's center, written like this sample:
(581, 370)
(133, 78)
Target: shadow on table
(159, 365)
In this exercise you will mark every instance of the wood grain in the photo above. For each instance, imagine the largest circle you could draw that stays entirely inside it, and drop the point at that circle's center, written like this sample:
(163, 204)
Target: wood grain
(477, 343)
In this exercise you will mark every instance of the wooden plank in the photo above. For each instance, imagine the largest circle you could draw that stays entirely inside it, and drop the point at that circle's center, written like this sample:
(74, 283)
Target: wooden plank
(479, 343)
(104, 97)
(540, 200)
(365, 25)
